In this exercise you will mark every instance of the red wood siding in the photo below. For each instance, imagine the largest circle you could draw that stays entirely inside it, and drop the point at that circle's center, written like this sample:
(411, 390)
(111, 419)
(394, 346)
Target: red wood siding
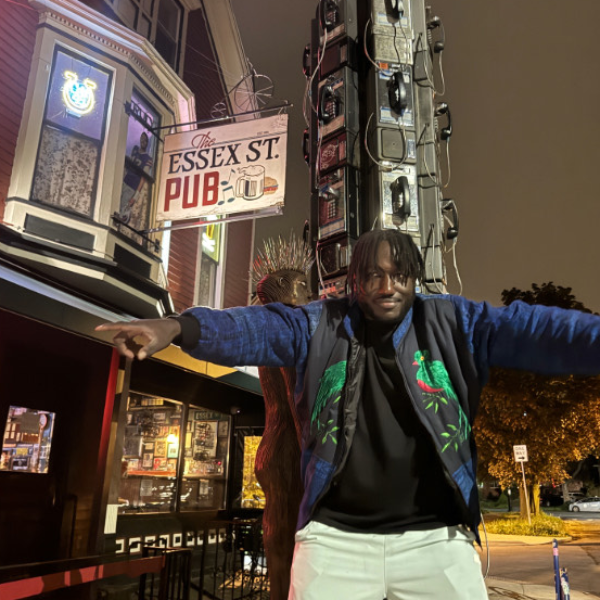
(18, 23)
(201, 72)
(238, 262)
(183, 267)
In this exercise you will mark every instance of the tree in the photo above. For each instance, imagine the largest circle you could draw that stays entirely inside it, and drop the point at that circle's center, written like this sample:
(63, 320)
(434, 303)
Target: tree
(557, 418)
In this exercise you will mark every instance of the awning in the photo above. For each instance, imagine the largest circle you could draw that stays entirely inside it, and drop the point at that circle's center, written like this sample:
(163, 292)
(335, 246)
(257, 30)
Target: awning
(24, 294)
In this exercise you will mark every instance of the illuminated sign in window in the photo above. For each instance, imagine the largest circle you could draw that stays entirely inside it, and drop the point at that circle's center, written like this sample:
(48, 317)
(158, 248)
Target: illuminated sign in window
(78, 95)
(27, 440)
(211, 235)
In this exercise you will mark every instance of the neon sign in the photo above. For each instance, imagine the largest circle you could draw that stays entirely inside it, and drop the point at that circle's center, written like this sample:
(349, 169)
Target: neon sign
(78, 95)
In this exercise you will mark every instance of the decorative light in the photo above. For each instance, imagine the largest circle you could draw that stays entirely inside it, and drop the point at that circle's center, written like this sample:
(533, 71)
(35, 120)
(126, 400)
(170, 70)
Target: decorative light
(78, 95)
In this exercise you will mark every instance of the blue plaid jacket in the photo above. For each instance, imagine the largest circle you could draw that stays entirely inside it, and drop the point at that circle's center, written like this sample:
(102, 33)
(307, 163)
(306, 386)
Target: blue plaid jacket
(444, 348)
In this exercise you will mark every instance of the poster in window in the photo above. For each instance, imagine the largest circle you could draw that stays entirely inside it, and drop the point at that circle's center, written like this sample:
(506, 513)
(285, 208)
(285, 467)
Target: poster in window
(148, 460)
(133, 464)
(173, 451)
(132, 445)
(223, 428)
(205, 439)
(149, 447)
(160, 464)
(160, 449)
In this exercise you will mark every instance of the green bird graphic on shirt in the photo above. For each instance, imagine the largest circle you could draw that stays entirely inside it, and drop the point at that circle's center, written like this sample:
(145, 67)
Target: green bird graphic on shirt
(331, 384)
(432, 377)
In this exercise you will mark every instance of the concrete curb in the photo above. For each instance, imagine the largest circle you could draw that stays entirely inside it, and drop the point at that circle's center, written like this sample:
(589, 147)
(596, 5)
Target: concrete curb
(531, 540)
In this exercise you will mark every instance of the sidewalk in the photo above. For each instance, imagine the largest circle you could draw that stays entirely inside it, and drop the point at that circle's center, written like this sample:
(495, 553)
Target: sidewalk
(500, 589)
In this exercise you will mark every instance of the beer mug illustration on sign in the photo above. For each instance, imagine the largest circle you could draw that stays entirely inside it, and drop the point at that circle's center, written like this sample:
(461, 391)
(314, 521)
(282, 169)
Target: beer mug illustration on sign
(251, 184)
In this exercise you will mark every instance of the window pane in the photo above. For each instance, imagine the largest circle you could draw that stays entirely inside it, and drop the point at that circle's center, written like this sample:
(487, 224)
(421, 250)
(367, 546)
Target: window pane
(141, 121)
(207, 284)
(136, 193)
(150, 455)
(205, 454)
(169, 14)
(253, 495)
(65, 171)
(165, 46)
(148, 6)
(145, 27)
(127, 11)
(77, 96)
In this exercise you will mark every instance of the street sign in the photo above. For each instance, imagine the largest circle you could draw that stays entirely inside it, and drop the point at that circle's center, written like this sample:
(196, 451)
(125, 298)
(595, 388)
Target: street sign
(520, 453)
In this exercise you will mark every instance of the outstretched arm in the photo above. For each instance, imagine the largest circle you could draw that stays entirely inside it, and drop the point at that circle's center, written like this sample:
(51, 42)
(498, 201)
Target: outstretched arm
(273, 336)
(542, 339)
(140, 339)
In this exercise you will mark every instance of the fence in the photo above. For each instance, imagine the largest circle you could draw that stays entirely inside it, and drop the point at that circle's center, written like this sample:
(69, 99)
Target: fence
(232, 562)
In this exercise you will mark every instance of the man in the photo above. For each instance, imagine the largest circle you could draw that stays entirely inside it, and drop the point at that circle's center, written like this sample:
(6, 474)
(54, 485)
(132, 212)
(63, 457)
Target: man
(388, 387)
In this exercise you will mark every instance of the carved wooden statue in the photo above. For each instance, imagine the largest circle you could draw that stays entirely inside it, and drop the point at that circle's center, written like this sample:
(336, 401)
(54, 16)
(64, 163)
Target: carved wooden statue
(280, 272)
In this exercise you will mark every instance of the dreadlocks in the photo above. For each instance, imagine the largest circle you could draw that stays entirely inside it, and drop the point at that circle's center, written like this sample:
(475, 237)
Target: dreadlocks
(405, 254)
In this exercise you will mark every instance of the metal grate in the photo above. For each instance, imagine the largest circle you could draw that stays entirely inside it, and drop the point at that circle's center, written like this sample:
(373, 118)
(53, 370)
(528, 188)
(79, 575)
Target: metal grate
(233, 562)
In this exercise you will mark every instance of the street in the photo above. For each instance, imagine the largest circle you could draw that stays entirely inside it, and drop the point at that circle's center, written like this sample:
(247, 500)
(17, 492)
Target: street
(521, 559)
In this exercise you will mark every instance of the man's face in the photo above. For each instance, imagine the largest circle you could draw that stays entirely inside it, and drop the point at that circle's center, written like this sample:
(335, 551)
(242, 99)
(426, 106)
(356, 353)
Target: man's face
(385, 295)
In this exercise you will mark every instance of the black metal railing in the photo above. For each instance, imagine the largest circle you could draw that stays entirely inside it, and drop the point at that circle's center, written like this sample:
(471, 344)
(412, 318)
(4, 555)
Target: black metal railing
(232, 561)
(173, 582)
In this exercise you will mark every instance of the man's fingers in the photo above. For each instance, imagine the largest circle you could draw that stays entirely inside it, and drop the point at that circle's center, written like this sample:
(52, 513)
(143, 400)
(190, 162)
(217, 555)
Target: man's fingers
(125, 339)
(140, 339)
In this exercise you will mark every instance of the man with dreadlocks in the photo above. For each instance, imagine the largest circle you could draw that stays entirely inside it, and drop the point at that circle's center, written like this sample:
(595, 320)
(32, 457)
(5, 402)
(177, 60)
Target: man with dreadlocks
(388, 383)
(280, 274)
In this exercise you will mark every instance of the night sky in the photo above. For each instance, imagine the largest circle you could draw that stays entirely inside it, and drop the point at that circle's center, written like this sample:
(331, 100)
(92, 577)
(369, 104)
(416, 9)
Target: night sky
(523, 85)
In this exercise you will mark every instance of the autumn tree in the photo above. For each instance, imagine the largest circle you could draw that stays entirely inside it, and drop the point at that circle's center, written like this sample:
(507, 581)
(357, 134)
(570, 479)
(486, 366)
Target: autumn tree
(558, 419)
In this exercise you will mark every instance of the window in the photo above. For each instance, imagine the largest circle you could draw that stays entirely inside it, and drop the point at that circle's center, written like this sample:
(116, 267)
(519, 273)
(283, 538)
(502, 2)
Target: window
(209, 262)
(27, 440)
(253, 495)
(138, 179)
(159, 21)
(150, 455)
(155, 435)
(167, 30)
(72, 134)
(206, 451)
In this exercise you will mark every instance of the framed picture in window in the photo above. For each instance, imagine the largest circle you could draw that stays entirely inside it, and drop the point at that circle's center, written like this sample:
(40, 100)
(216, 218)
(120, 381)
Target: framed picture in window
(160, 449)
(133, 464)
(132, 445)
(173, 451)
(148, 460)
(160, 464)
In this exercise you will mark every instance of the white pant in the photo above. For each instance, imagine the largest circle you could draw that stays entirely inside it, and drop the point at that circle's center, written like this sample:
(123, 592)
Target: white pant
(436, 564)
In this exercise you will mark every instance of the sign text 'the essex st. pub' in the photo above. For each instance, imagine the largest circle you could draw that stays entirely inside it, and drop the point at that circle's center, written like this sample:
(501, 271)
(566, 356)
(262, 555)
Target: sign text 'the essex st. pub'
(223, 169)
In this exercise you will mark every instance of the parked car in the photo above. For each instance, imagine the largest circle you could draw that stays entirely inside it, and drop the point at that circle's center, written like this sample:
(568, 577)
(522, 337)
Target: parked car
(589, 504)
(551, 500)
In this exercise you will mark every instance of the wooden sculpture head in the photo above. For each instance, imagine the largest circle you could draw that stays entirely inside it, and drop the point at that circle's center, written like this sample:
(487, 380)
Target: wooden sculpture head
(280, 271)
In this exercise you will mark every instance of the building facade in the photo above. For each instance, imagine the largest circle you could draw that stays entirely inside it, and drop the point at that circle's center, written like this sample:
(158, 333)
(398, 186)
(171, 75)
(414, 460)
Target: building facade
(100, 454)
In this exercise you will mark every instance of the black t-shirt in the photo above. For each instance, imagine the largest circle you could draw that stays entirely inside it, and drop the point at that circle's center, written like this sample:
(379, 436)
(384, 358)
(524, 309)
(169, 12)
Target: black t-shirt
(393, 479)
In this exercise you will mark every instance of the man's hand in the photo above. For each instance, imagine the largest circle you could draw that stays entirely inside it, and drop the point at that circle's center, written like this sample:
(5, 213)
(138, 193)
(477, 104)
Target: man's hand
(140, 339)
